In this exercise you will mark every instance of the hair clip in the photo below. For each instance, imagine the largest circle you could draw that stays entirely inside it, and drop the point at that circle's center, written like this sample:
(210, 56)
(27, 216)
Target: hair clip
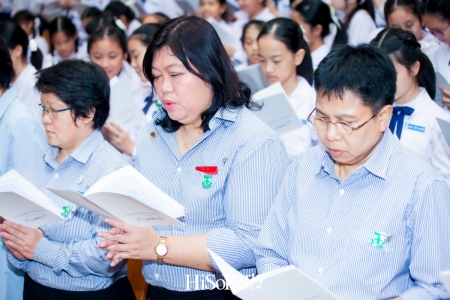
(334, 18)
(120, 24)
(32, 45)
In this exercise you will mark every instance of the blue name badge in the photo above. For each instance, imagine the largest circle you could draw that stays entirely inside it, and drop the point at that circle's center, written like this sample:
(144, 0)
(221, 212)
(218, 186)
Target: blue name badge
(414, 127)
(304, 122)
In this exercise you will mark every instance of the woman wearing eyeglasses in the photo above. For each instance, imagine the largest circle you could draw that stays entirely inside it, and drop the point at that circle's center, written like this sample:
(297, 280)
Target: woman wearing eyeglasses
(62, 260)
(437, 20)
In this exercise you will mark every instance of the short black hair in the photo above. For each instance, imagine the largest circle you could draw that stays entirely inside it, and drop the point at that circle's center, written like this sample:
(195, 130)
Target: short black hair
(196, 44)
(117, 9)
(81, 85)
(6, 66)
(364, 70)
(439, 8)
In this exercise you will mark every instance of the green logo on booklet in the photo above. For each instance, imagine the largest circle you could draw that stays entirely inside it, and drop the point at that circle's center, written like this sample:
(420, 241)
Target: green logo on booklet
(66, 211)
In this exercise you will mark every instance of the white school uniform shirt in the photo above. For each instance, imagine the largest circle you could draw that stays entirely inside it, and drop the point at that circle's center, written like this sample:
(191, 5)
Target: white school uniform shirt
(380, 18)
(24, 85)
(168, 7)
(41, 43)
(100, 4)
(131, 79)
(360, 28)
(51, 60)
(422, 135)
(319, 54)
(442, 62)
(135, 24)
(429, 45)
(303, 101)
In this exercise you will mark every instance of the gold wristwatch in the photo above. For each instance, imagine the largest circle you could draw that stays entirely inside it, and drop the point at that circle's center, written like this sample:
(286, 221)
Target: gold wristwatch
(161, 249)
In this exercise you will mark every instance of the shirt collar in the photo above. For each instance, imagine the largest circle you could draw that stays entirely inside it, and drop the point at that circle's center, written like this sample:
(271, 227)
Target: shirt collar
(81, 154)
(227, 114)
(377, 164)
(419, 103)
(6, 99)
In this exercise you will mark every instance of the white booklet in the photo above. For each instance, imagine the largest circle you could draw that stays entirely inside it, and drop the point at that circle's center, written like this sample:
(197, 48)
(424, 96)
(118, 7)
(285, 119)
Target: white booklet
(254, 77)
(445, 128)
(189, 6)
(225, 37)
(124, 110)
(23, 203)
(445, 277)
(128, 196)
(440, 82)
(276, 110)
(287, 283)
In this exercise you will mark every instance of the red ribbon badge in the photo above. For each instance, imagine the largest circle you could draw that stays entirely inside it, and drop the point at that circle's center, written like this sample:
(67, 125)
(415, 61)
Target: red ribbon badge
(210, 170)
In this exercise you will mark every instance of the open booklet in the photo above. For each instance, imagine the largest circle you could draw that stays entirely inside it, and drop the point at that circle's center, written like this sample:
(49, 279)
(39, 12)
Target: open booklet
(440, 82)
(254, 77)
(128, 196)
(287, 283)
(276, 110)
(23, 203)
(445, 128)
(124, 110)
(445, 277)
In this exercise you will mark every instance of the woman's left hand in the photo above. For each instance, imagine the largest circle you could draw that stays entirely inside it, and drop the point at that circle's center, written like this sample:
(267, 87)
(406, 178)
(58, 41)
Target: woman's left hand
(114, 134)
(21, 239)
(125, 241)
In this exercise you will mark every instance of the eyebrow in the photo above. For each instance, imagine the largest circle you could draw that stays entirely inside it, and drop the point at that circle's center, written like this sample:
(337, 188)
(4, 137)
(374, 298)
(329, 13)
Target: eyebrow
(171, 65)
(273, 56)
(340, 116)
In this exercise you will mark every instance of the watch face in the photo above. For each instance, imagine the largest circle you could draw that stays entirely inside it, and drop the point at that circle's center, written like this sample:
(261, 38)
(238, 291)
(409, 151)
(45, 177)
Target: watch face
(161, 249)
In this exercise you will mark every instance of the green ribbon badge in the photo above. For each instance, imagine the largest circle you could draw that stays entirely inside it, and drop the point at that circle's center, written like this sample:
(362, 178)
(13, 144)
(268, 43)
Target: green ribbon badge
(207, 181)
(379, 239)
(66, 211)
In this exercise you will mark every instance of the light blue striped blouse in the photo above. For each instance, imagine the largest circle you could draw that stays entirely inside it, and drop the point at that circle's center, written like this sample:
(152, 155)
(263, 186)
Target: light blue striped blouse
(251, 162)
(334, 230)
(67, 257)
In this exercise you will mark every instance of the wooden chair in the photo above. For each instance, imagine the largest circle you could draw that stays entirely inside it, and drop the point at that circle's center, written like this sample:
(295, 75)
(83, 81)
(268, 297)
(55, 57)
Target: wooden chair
(137, 279)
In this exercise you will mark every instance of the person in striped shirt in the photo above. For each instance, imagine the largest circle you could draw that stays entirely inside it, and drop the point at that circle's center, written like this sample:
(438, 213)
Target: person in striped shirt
(359, 213)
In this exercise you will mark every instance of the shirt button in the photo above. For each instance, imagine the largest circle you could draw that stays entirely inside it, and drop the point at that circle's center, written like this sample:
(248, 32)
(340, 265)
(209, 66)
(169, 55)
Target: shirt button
(341, 192)
(179, 170)
(329, 229)
(56, 176)
(320, 270)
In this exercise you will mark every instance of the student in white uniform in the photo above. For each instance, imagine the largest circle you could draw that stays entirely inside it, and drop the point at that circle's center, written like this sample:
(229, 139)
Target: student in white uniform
(414, 118)
(125, 14)
(30, 25)
(251, 10)
(64, 42)
(316, 21)
(169, 8)
(437, 19)
(405, 14)
(148, 100)
(107, 47)
(250, 42)
(285, 58)
(358, 17)
(17, 41)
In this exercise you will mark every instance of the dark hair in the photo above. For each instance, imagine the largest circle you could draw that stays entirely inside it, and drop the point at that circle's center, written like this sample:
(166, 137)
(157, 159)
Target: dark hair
(23, 16)
(162, 18)
(6, 66)
(81, 85)
(253, 23)
(225, 16)
(367, 5)
(315, 13)
(196, 44)
(406, 50)
(65, 25)
(412, 5)
(364, 70)
(145, 33)
(91, 12)
(439, 8)
(111, 32)
(14, 36)
(289, 33)
(117, 9)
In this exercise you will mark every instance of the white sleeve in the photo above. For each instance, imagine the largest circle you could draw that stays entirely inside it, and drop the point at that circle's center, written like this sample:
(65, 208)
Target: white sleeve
(361, 26)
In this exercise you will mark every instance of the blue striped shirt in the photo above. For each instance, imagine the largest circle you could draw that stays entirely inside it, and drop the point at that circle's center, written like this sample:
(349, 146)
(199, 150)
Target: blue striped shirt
(251, 162)
(330, 228)
(68, 257)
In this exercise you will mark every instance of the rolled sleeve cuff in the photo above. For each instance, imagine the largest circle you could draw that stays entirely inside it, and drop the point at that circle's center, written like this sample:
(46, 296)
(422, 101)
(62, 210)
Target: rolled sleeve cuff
(230, 248)
(418, 293)
(20, 264)
(46, 252)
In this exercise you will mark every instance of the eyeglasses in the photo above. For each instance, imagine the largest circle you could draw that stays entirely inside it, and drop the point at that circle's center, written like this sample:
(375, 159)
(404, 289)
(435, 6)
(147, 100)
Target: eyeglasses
(52, 112)
(439, 34)
(342, 127)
